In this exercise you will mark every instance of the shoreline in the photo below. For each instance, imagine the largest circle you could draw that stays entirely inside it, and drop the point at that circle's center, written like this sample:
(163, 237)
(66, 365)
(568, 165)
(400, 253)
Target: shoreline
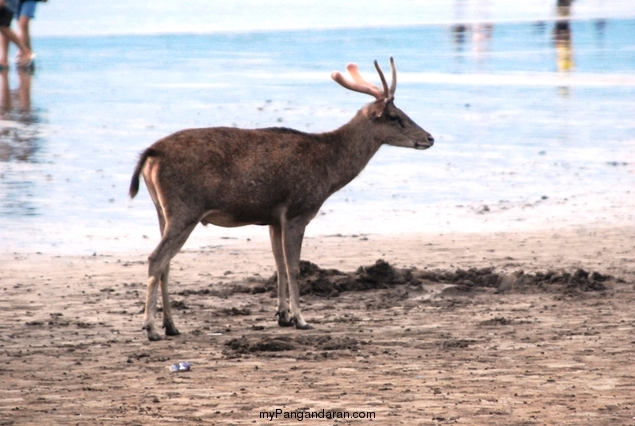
(601, 248)
(339, 216)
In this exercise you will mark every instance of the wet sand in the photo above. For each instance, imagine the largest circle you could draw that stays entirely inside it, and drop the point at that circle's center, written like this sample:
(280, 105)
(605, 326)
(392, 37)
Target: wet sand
(424, 350)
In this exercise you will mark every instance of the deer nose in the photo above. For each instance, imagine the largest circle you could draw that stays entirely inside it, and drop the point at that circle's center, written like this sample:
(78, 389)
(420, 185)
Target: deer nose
(430, 139)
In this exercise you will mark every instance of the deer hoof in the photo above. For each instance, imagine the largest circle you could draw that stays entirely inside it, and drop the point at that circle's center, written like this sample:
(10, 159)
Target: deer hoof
(172, 332)
(170, 329)
(305, 326)
(153, 336)
(284, 320)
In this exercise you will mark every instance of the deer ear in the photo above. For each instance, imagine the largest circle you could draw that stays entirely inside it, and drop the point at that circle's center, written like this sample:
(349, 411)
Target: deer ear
(378, 111)
(383, 106)
(375, 110)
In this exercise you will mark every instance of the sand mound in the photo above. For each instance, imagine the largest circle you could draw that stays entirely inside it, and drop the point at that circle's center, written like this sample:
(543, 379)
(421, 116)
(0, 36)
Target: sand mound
(253, 344)
(381, 275)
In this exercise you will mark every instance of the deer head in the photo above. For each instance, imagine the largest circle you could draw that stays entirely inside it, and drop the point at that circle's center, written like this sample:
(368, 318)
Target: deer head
(394, 126)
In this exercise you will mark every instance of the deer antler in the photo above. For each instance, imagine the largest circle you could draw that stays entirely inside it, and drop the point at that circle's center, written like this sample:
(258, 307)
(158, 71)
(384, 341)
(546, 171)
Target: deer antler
(359, 84)
(353, 70)
(393, 84)
(383, 80)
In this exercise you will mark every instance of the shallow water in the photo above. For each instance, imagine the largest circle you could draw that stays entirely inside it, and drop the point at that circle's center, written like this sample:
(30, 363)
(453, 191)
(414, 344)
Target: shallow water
(530, 132)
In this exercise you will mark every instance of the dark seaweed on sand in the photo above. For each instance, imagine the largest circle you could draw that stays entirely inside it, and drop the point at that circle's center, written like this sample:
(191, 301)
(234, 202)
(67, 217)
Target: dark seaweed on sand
(381, 275)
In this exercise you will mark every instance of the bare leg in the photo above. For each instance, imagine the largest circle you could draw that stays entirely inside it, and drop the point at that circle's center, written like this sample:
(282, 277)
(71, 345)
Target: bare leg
(284, 319)
(5, 95)
(25, 52)
(4, 50)
(25, 35)
(292, 235)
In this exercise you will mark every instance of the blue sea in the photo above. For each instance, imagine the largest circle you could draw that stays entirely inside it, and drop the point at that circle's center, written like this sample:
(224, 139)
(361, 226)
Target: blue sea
(532, 107)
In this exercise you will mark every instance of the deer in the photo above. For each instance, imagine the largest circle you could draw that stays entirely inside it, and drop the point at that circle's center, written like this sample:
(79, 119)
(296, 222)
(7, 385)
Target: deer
(276, 176)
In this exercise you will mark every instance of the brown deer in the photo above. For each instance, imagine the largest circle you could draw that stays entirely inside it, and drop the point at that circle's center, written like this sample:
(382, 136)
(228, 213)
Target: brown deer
(273, 176)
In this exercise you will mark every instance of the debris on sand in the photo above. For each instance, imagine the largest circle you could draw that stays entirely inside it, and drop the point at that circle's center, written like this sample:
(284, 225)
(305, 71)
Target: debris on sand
(331, 282)
(580, 281)
(234, 312)
(180, 367)
(381, 275)
(496, 321)
(456, 343)
(253, 344)
(483, 277)
(243, 345)
(329, 343)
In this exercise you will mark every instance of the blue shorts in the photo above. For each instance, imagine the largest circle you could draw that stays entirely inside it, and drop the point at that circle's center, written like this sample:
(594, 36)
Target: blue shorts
(26, 8)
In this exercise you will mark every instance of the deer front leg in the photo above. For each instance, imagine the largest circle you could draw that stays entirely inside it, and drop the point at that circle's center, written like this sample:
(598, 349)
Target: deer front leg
(292, 235)
(284, 317)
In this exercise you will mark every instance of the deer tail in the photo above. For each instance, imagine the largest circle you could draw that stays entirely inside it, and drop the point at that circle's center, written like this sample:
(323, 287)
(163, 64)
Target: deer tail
(134, 182)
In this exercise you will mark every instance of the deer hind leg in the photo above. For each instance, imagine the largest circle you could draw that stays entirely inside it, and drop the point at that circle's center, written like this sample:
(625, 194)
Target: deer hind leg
(292, 235)
(168, 322)
(174, 236)
(151, 310)
(283, 313)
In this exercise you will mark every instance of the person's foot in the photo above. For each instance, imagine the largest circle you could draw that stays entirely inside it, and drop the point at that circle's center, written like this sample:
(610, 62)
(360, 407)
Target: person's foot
(27, 60)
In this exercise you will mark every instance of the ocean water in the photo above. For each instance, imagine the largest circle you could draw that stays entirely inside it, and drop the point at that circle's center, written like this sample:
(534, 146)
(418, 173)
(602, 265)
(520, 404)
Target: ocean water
(532, 109)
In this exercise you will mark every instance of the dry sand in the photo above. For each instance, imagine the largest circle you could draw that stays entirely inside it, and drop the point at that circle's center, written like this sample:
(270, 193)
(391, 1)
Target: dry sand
(417, 353)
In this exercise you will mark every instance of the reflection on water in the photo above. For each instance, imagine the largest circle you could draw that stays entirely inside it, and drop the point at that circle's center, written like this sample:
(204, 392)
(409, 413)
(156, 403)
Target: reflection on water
(19, 135)
(481, 30)
(19, 143)
(480, 33)
(562, 36)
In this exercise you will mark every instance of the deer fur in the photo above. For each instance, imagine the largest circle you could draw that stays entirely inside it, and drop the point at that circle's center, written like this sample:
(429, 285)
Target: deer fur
(277, 177)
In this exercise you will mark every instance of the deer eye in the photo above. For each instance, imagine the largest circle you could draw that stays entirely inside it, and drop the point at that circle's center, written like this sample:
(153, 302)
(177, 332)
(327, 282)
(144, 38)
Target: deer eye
(394, 119)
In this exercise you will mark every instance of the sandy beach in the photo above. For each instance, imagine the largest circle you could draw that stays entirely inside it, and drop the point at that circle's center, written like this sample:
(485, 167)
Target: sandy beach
(406, 351)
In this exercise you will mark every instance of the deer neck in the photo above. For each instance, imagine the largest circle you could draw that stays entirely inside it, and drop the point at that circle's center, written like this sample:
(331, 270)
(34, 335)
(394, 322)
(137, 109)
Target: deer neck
(352, 147)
